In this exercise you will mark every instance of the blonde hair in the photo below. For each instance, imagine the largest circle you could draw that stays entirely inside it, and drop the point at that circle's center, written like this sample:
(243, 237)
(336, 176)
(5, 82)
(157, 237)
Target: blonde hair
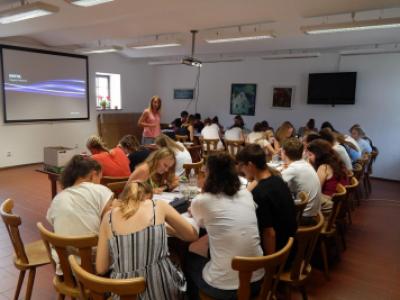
(132, 195)
(281, 133)
(95, 142)
(152, 161)
(165, 141)
(151, 103)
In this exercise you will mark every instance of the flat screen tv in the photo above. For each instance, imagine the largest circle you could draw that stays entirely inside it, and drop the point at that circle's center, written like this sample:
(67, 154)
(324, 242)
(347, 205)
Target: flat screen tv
(332, 88)
(40, 85)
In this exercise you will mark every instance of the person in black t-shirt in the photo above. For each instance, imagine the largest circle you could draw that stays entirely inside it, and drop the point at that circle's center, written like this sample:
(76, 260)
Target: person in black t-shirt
(177, 123)
(135, 152)
(276, 211)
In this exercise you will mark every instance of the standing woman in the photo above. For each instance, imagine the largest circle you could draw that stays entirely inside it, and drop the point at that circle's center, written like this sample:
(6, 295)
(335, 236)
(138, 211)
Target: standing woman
(150, 121)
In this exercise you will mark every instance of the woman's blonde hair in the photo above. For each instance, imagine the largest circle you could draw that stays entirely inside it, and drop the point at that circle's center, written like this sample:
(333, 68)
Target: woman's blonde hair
(132, 195)
(165, 141)
(153, 160)
(95, 142)
(151, 103)
(281, 133)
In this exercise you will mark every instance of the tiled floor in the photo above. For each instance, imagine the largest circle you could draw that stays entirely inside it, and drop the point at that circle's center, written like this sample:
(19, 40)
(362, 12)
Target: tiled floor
(368, 270)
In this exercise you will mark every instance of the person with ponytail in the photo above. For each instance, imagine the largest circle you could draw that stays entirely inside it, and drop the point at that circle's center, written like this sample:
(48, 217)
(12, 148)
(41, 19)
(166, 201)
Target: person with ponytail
(114, 162)
(133, 242)
(78, 208)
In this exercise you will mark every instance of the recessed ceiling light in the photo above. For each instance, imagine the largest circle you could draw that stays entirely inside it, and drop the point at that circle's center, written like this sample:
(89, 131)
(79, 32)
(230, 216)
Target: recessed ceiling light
(27, 11)
(86, 3)
(150, 46)
(104, 49)
(291, 56)
(352, 26)
(239, 37)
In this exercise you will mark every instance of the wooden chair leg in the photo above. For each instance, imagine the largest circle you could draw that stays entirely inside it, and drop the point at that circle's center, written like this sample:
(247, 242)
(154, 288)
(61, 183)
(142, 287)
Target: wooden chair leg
(19, 284)
(303, 292)
(31, 279)
(324, 254)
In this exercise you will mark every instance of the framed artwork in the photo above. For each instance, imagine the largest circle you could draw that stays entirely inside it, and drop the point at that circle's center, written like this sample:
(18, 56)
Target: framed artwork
(283, 96)
(243, 99)
(183, 94)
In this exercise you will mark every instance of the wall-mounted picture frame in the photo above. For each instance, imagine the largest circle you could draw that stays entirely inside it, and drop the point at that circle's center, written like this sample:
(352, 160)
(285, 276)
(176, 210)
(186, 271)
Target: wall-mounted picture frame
(243, 99)
(183, 94)
(282, 96)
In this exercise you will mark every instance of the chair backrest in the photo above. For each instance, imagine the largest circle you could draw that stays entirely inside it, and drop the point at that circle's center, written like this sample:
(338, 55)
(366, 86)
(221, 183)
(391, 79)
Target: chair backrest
(337, 200)
(12, 223)
(181, 138)
(272, 264)
(373, 156)
(306, 239)
(63, 245)
(303, 197)
(98, 286)
(108, 179)
(193, 166)
(233, 147)
(196, 152)
(116, 187)
(357, 170)
(210, 145)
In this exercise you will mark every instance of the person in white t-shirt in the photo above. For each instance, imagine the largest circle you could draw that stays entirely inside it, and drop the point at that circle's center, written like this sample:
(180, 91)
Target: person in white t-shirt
(211, 132)
(258, 136)
(301, 177)
(182, 155)
(228, 213)
(327, 135)
(77, 210)
(235, 132)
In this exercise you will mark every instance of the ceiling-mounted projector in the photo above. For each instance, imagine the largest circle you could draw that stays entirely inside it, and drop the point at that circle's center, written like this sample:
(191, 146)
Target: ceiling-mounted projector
(190, 61)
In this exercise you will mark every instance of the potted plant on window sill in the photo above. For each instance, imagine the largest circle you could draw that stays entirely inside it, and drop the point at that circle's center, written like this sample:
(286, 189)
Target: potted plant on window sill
(105, 102)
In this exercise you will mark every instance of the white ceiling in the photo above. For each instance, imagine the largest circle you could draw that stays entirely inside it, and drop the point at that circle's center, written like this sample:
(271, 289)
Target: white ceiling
(123, 21)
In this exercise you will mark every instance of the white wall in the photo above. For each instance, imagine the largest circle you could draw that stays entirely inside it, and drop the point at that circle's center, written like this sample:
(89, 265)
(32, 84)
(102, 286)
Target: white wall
(377, 105)
(26, 141)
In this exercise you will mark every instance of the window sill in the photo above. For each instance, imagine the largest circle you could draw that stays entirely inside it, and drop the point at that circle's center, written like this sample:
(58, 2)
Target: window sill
(108, 109)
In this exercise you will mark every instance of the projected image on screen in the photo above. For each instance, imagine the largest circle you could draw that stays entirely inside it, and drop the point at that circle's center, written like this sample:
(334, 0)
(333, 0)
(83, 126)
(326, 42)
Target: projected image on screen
(44, 85)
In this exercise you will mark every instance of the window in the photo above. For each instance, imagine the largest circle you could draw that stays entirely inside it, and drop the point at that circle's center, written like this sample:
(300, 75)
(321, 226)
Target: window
(108, 91)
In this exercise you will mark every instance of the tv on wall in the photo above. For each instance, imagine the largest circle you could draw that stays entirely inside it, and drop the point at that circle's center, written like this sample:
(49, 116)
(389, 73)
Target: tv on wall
(332, 88)
(41, 85)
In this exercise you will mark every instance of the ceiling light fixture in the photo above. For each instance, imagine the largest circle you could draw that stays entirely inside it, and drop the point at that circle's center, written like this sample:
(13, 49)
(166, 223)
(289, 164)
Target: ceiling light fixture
(291, 56)
(240, 37)
(27, 11)
(150, 46)
(87, 3)
(352, 26)
(368, 51)
(104, 49)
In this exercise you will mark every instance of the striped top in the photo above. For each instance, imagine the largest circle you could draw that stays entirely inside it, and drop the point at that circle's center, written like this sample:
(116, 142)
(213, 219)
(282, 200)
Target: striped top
(145, 253)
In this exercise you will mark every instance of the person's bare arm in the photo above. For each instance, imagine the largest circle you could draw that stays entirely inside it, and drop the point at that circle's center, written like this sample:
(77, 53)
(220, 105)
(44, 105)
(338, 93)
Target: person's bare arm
(269, 240)
(102, 254)
(322, 173)
(179, 226)
(108, 206)
(141, 173)
(142, 120)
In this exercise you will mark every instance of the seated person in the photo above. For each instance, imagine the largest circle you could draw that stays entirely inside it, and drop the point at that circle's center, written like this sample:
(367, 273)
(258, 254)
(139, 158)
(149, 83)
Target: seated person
(187, 128)
(301, 177)
(235, 132)
(258, 136)
(330, 169)
(310, 127)
(182, 155)
(158, 170)
(177, 123)
(136, 153)
(198, 124)
(359, 135)
(78, 208)
(133, 242)
(114, 162)
(352, 149)
(275, 206)
(211, 131)
(228, 214)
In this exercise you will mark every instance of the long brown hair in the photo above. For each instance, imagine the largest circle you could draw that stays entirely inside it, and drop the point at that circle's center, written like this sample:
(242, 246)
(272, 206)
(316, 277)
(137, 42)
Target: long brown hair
(132, 195)
(78, 167)
(165, 141)
(281, 132)
(152, 161)
(151, 103)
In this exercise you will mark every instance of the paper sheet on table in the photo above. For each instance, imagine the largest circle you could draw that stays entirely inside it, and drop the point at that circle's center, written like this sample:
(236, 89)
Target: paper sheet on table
(167, 197)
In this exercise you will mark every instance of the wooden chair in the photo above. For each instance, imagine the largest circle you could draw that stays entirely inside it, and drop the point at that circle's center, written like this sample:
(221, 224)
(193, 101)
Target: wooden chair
(66, 285)
(303, 197)
(210, 146)
(373, 156)
(181, 138)
(344, 215)
(98, 286)
(366, 180)
(298, 275)
(116, 187)
(196, 152)
(26, 257)
(109, 179)
(357, 173)
(233, 147)
(193, 166)
(329, 228)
